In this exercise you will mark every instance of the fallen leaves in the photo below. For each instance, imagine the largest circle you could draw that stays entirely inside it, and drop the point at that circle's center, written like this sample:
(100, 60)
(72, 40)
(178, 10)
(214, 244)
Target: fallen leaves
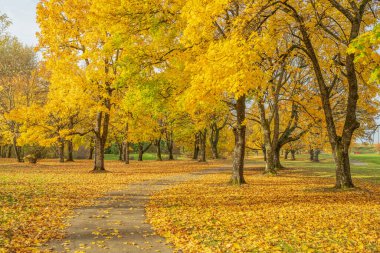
(288, 213)
(37, 200)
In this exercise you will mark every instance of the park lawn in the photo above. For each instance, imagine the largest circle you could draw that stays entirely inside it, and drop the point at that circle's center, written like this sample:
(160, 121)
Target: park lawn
(296, 211)
(35, 200)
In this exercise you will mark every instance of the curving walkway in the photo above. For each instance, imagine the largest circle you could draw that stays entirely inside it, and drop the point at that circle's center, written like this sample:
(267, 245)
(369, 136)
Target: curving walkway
(117, 223)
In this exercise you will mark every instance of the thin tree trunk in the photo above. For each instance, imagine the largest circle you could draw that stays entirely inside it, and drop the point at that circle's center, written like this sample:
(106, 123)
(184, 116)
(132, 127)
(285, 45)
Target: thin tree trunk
(196, 147)
(126, 152)
(316, 153)
(214, 140)
(141, 151)
(70, 150)
(286, 154)
(203, 138)
(158, 147)
(17, 151)
(237, 177)
(264, 152)
(91, 154)
(121, 149)
(126, 145)
(293, 154)
(61, 150)
(170, 143)
(9, 152)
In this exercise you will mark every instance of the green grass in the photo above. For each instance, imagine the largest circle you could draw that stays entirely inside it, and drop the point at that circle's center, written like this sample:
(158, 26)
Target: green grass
(367, 158)
(368, 167)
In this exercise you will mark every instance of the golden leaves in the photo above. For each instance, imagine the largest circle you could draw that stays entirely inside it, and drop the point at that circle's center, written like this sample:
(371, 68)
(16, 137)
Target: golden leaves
(274, 214)
(36, 200)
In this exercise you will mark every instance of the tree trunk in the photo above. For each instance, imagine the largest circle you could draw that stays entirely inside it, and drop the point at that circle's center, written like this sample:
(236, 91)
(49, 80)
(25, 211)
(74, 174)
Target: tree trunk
(9, 152)
(203, 138)
(126, 152)
(277, 162)
(293, 154)
(91, 154)
(286, 154)
(158, 147)
(121, 150)
(126, 145)
(270, 162)
(99, 155)
(170, 143)
(141, 152)
(343, 173)
(316, 153)
(70, 150)
(264, 152)
(237, 177)
(196, 147)
(214, 140)
(61, 150)
(17, 151)
(311, 152)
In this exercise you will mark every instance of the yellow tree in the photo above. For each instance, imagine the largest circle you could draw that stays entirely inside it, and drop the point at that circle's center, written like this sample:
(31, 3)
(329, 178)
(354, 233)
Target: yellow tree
(340, 22)
(74, 30)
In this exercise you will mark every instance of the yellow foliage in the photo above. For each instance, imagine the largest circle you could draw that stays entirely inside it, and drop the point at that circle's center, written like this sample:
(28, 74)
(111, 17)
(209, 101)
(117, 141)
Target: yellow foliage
(288, 213)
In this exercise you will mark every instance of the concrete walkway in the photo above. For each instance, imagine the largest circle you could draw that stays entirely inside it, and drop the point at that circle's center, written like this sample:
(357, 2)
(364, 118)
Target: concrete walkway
(117, 223)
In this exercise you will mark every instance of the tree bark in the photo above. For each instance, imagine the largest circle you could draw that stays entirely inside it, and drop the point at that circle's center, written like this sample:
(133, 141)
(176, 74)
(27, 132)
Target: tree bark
(277, 162)
(61, 150)
(237, 177)
(17, 150)
(157, 143)
(99, 155)
(311, 152)
(203, 138)
(264, 152)
(126, 145)
(9, 151)
(286, 154)
(91, 154)
(316, 153)
(126, 152)
(343, 173)
(293, 154)
(169, 143)
(70, 150)
(121, 150)
(196, 147)
(142, 150)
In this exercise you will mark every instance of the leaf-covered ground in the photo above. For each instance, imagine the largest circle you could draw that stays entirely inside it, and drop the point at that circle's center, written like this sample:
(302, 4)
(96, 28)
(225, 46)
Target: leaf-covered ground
(292, 212)
(36, 200)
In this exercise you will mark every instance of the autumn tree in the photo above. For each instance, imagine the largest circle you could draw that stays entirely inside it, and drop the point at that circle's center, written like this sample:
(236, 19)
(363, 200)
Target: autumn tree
(19, 86)
(341, 22)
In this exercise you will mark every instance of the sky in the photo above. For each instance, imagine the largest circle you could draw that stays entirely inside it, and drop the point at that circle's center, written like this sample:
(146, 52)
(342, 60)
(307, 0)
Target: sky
(22, 13)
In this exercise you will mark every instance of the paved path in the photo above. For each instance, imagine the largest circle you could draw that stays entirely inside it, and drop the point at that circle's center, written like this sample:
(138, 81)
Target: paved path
(117, 223)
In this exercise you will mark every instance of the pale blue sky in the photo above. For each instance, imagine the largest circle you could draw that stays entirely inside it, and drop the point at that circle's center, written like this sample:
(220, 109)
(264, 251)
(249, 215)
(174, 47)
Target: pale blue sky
(23, 16)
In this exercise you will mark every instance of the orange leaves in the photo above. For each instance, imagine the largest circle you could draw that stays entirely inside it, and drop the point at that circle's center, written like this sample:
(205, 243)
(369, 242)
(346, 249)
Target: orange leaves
(274, 214)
